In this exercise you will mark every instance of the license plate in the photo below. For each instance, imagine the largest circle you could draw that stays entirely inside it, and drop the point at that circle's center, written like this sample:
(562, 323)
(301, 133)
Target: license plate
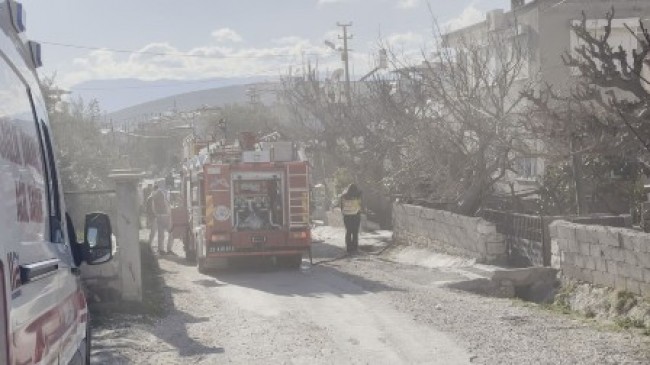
(215, 249)
(258, 239)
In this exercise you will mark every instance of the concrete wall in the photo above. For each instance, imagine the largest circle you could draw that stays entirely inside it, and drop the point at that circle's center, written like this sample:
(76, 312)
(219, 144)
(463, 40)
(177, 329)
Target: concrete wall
(102, 282)
(555, 31)
(547, 27)
(607, 256)
(120, 278)
(449, 233)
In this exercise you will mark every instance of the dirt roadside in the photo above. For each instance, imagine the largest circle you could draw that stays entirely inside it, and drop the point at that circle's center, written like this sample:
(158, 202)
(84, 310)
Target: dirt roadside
(360, 310)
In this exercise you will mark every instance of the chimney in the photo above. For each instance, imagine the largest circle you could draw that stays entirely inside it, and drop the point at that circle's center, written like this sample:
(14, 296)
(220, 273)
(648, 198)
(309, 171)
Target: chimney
(514, 4)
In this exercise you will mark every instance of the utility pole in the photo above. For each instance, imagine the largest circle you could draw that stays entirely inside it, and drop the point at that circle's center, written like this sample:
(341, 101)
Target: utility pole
(254, 96)
(345, 57)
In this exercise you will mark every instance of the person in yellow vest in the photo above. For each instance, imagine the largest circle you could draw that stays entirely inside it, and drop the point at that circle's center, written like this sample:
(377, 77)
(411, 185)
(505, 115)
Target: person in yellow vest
(351, 209)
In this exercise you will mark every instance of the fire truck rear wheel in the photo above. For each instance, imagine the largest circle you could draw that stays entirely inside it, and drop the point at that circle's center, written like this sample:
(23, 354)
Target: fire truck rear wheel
(190, 255)
(200, 264)
(291, 262)
(188, 245)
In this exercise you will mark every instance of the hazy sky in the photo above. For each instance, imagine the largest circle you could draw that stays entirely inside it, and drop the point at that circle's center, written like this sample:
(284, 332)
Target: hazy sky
(239, 37)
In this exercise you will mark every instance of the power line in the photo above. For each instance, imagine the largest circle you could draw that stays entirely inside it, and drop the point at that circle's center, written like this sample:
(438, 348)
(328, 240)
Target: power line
(151, 53)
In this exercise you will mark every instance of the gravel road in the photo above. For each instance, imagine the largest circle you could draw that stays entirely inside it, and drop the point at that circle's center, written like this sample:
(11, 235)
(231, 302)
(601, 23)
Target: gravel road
(359, 310)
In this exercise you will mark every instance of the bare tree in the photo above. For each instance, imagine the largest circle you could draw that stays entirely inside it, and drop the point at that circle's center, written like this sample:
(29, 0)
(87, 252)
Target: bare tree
(603, 117)
(452, 128)
(360, 138)
(470, 129)
(611, 89)
(447, 129)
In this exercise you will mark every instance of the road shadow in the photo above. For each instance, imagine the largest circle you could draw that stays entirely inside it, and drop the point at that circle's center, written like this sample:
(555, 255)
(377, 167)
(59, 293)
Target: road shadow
(176, 290)
(178, 319)
(169, 324)
(107, 355)
(180, 339)
(320, 279)
(208, 283)
(180, 260)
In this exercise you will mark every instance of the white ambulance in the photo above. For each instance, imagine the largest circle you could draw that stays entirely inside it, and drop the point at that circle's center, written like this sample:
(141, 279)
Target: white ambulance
(43, 313)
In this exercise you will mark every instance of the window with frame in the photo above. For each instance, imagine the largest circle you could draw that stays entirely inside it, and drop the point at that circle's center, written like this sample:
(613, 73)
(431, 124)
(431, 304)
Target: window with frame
(527, 167)
(23, 176)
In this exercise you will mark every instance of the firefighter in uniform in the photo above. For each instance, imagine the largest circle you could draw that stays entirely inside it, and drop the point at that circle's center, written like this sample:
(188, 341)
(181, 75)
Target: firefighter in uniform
(351, 209)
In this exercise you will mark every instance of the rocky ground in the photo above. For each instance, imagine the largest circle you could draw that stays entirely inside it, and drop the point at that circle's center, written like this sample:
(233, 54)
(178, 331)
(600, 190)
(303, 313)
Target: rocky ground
(364, 309)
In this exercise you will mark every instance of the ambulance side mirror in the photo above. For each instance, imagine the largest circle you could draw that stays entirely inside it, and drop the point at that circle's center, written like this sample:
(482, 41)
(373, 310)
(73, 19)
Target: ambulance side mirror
(98, 242)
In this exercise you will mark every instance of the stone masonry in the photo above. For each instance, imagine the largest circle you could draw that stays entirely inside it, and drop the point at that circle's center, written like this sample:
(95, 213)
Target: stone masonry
(449, 233)
(607, 256)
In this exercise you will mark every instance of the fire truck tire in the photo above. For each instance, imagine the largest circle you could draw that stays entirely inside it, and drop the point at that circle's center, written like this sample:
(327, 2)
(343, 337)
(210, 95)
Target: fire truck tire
(291, 262)
(188, 245)
(201, 266)
(190, 255)
(88, 342)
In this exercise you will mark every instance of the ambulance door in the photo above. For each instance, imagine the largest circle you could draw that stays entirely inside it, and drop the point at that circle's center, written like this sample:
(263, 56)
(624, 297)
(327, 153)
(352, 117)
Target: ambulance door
(28, 235)
(73, 311)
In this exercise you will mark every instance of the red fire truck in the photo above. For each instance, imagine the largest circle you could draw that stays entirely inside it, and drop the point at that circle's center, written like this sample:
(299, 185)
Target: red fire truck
(246, 199)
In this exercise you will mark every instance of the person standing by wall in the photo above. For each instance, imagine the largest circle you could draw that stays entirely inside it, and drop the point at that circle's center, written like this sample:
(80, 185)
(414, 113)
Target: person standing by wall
(169, 181)
(160, 207)
(351, 209)
(146, 192)
(151, 215)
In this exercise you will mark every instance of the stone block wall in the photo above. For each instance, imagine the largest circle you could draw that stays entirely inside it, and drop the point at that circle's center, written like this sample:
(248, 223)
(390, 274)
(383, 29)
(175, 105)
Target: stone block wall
(448, 233)
(614, 257)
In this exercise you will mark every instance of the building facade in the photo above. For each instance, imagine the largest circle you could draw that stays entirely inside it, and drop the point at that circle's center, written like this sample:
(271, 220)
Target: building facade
(543, 28)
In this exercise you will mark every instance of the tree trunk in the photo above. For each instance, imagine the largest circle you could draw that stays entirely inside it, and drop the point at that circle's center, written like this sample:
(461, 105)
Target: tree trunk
(578, 180)
(472, 199)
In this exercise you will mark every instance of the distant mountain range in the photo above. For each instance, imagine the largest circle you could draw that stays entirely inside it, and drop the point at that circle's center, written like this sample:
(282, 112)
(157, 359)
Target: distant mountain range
(116, 95)
(237, 94)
